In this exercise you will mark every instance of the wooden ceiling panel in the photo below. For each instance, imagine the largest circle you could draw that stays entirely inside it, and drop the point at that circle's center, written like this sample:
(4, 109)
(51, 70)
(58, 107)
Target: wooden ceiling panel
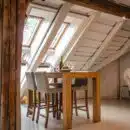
(100, 27)
(123, 33)
(119, 39)
(95, 35)
(78, 58)
(119, 44)
(86, 49)
(104, 6)
(88, 42)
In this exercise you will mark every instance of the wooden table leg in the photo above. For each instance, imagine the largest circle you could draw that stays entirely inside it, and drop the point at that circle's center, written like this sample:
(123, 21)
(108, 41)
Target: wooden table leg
(96, 100)
(67, 103)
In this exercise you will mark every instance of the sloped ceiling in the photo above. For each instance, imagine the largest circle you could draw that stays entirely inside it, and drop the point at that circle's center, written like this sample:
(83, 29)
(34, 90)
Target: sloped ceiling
(122, 2)
(93, 39)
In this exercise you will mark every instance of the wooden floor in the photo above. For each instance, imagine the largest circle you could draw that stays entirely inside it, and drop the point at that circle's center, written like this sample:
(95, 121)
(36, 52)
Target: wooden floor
(115, 116)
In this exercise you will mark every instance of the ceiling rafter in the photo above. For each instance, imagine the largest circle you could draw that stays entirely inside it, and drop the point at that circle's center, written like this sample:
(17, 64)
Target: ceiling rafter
(104, 6)
(104, 45)
(114, 57)
(52, 33)
(79, 33)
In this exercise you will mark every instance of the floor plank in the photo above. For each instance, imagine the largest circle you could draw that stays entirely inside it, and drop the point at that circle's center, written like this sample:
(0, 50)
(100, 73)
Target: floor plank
(115, 116)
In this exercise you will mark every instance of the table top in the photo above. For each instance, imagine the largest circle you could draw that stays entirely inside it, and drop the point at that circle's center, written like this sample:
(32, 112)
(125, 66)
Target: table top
(72, 74)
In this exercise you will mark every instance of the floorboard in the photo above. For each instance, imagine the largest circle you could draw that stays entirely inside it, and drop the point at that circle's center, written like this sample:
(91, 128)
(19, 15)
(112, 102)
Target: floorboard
(115, 116)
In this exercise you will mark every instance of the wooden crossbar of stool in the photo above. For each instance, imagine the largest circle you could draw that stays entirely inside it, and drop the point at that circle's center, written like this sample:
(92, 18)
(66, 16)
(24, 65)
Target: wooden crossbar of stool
(47, 107)
(80, 107)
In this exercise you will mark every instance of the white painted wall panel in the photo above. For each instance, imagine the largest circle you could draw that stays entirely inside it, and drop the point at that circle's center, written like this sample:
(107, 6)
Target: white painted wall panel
(124, 64)
(109, 80)
(117, 43)
(106, 22)
(77, 58)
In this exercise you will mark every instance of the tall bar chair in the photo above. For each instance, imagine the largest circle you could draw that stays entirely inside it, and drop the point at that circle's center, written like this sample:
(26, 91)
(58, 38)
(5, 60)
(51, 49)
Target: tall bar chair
(31, 86)
(48, 89)
(80, 84)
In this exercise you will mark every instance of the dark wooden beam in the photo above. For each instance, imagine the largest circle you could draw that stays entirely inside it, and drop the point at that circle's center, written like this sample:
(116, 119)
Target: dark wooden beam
(104, 6)
(12, 15)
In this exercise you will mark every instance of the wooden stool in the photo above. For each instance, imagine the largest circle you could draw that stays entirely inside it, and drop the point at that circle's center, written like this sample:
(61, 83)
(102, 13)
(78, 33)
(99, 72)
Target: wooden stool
(43, 86)
(32, 96)
(80, 84)
(31, 103)
(81, 107)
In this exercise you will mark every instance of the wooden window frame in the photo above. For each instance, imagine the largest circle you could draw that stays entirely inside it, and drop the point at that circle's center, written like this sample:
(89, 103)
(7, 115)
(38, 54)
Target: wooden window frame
(61, 35)
(31, 38)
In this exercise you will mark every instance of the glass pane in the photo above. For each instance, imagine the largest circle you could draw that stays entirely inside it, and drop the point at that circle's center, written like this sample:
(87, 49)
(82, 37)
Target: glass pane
(63, 43)
(30, 28)
(23, 70)
(38, 38)
(59, 35)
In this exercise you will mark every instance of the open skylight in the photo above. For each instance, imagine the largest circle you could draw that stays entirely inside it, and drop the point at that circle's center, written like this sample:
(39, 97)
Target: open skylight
(62, 43)
(31, 25)
(60, 33)
(35, 29)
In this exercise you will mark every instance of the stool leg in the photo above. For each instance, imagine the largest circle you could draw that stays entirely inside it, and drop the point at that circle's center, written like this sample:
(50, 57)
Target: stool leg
(75, 103)
(57, 105)
(47, 109)
(86, 103)
(38, 111)
(60, 106)
(53, 104)
(34, 108)
(72, 96)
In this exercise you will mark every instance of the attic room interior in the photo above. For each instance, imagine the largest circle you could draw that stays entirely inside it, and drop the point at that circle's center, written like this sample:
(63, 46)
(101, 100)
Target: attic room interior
(65, 64)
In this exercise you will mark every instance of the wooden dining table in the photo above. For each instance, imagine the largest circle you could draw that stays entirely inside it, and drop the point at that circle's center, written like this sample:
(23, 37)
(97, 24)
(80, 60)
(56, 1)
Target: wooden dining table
(67, 102)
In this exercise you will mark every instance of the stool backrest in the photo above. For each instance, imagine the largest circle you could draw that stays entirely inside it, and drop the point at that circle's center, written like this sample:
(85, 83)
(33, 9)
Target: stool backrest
(31, 84)
(41, 81)
(81, 82)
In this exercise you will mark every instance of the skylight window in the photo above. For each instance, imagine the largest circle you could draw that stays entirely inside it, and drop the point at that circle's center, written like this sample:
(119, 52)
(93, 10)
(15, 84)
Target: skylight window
(31, 25)
(63, 42)
(60, 33)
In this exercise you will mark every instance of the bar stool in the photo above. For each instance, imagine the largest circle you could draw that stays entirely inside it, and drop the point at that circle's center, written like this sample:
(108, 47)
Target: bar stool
(80, 84)
(31, 86)
(48, 89)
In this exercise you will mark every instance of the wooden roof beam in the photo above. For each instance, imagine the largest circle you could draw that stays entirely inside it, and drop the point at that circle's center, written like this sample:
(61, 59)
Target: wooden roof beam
(104, 6)
(104, 45)
(113, 58)
(79, 33)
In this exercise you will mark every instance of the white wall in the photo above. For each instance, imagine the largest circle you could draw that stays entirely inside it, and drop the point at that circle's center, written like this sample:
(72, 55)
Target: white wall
(109, 81)
(124, 64)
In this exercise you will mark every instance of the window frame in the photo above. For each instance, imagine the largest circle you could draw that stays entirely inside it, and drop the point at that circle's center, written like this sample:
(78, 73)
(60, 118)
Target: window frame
(61, 35)
(32, 37)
